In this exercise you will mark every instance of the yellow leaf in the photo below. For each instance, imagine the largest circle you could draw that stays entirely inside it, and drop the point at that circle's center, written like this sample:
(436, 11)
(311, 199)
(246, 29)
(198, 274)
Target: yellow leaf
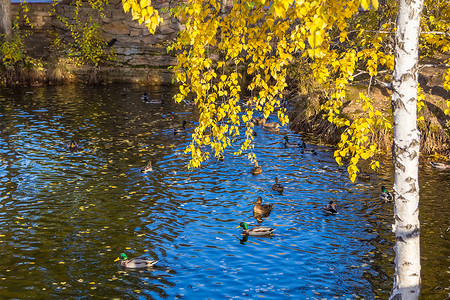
(365, 4)
(126, 6)
(375, 4)
(144, 3)
(365, 155)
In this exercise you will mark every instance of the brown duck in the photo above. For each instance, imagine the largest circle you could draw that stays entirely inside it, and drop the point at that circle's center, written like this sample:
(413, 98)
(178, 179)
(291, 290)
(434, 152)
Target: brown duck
(256, 169)
(260, 208)
(277, 186)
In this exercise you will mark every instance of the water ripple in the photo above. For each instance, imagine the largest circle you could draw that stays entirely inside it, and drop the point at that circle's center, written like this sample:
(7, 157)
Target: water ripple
(67, 215)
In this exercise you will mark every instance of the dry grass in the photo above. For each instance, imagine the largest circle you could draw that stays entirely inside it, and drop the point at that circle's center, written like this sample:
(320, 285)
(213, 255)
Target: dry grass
(435, 139)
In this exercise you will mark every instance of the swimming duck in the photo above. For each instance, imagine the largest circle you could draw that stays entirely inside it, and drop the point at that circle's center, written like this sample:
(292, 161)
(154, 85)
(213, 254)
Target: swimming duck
(147, 168)
(277, 186)
(330, 208)
(71, 145)
(256, 169)
(308, 151)
(154, 101)
(260, 208)
(135, 263)
(181, 129)
(144, 97)
(363, 176)
(257, 120)
(440, 166)
(272, 127)
(289, 144)
(256, 231)
(385, 195)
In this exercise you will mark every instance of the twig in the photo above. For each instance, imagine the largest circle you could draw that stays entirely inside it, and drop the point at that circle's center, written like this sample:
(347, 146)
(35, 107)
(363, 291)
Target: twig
(368, 88)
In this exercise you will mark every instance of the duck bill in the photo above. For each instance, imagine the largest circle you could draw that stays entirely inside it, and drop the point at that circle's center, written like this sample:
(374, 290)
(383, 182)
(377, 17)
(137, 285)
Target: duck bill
(117, 259)
(238, 226)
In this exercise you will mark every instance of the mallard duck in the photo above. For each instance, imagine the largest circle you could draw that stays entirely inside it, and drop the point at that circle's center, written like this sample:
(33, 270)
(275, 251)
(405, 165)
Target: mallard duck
(144, 97)
(255, 231)
(257, 120)
(330, 208)
(289, 144)
(363, 176)
(154, 101)
(147, 168)
(308, 151)
(181, 129)
(135, 263)
(440, 166)
(272, 127)
(385, 195)
(71, 145)
(260, 208)
(277, 186)
(256, 169)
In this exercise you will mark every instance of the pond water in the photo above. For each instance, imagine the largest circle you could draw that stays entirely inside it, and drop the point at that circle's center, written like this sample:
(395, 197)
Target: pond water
(66, 215)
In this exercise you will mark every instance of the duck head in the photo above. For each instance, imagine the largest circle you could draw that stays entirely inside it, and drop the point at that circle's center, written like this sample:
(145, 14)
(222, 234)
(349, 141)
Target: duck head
(122, 256)
(243, 225)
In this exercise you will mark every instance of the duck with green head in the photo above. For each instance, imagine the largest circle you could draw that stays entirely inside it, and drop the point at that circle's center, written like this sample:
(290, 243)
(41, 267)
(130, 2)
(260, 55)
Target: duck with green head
(306, 150)
(256, 231)
(290, 144)
(385, 195)
(181, 129)
(135, 263)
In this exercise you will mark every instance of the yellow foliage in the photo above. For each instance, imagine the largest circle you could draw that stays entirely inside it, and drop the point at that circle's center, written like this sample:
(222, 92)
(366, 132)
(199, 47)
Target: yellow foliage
(262, 39)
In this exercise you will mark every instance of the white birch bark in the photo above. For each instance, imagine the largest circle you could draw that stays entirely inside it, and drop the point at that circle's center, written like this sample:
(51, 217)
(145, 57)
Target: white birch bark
(5, 17)
(406, 152)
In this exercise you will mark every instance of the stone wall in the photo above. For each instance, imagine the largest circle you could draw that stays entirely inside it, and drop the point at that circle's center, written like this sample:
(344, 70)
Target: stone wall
(141, 56)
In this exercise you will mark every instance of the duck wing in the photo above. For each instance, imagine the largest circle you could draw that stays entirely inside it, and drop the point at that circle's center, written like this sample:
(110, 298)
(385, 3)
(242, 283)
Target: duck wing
(329, 210)
(260, 231)
(138, 263)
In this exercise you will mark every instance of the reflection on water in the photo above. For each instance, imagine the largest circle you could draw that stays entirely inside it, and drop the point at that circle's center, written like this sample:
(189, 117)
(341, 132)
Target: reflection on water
(67, 214)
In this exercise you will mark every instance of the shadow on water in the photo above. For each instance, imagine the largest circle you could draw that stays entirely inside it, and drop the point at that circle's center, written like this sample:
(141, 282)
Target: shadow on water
(66, 215)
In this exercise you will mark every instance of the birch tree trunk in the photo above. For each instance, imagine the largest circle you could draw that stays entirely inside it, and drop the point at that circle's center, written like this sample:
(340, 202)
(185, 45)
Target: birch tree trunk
(5, 17)
(406, 152)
